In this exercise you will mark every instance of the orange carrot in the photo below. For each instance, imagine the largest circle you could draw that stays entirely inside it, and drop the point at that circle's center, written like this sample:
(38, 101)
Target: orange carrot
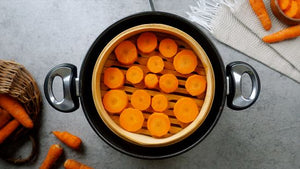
(297, 16)
(151, 81)
(115, 101)
(8, 129)
(168, 83)
(155, 64)
(14, 108)
(185, 61)
(147, 42)
(186, 110)
(292, 10)
(55, 151)
(131, 119)
(72, 164)
(113, 78)
(195, 85)
(126, 52)
(288, 33)
(284, 4)
(134, 74)
(140, 99)
(260, 10)
(68, 138)
(168, 47)
(4, 117)
(159, 103)
(158, 124)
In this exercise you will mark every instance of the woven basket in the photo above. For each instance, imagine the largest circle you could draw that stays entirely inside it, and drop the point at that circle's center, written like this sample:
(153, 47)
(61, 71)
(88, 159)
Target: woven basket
(17, 82)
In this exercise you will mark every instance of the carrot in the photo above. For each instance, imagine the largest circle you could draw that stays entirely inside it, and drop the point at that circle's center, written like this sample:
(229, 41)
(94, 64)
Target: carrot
(134, 74)
(155, 64)
(288, 33)
(4, 117)
(55, 151)
(168, 83)
(14, 108)
(168, 47)
(185, 61)
(140, 99)
(159, 103)
(72, 164)
(8, 129)
(126, 52)
(115, 101)
(68, 138)
(131, 119)
(292, 10)
(147, 42)
(113, 78)
(284, 4)
(297, 16)
(186, 110)
(260, 10)
(158, 124)
(151, 81)
(195, 85)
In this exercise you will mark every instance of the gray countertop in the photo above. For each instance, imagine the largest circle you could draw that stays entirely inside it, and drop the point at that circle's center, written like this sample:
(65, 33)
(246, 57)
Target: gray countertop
(41, 34)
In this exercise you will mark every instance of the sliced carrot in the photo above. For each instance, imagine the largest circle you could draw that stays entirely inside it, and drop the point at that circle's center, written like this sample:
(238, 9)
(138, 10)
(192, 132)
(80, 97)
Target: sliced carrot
(186, 110)
(284, 4)
(4, 117)
(185, 61)
(168, 83)
(292, 10)
(151, 81)
(140, 99)
(113, 78)
(260, 10)
(158, 124)
(147, 42)
(131, 119)
(55, 151)
(115, 101)
(134, 74)
(159, 103)
(155, 64)
(8, 129)
(68, 138)
(288, 33)
(168, 47)
(126, 52)
(195, 85)
(73, 164)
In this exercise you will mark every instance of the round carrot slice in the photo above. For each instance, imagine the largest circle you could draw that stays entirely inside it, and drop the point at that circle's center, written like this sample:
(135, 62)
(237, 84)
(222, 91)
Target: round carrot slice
(186, 110)
(159, 103)
(168, 83)
(158, 124)
(151, 81)
(131, 119)
(140, 99)
(134, 74)
(168, 47)
(113, 78)
(185, 61)
(147, 42)
(126, 52)
(155, 64)
(115, 101)
(195, 85)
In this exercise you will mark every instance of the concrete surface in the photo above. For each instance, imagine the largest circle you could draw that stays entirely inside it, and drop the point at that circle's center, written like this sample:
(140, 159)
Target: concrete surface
(41, 34)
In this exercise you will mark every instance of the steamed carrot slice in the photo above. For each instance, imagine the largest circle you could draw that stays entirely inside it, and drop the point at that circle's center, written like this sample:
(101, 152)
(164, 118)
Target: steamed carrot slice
(155, 64)
(186, 110)
(113, 78)
(284, 4)
(151, 81)
(131, 119)
(185, 61)
(159, 103)
(292, 10)
(115, 101)
(168, 47)
(147, 42)
(140, 99)
(126, 52)
(158, 124)
(134, 74)
(168, 83)
(195, 85)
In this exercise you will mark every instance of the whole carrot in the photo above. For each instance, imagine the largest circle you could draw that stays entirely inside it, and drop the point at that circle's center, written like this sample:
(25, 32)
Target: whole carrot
(72, 164)
(69, 139)
(8, 129)
(288, 33)
(54, 153)
(260, 10)
(15, 109)
(4, 117)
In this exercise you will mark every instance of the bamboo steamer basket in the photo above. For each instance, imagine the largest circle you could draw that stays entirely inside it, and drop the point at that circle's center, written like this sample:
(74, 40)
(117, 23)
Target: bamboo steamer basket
(178, 130)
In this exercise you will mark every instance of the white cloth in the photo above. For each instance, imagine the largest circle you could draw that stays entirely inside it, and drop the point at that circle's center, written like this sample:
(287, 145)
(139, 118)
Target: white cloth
(234, 23)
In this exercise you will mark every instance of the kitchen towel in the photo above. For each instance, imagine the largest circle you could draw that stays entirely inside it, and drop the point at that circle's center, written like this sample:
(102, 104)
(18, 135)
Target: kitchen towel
(234, 23)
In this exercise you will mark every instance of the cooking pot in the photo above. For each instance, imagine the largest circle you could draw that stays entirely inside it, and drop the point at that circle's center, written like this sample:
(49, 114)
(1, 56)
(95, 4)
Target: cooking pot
(226, 84)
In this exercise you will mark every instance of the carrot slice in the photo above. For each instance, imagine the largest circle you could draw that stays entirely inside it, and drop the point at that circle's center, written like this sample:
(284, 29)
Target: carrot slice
(159, 103)
(140, 99)
(288, 33)
(168, 83)
(151, 81)
(185, 61)
(131, 119)
(134, 74)
(113, 78)
(292, 10)
(195, 85)
(284, 4)
(158, 124)
(168, 47)
(115, 101)
(126, 52)
(155, 64)
(4, 117)
(147, 42)
(186, 110)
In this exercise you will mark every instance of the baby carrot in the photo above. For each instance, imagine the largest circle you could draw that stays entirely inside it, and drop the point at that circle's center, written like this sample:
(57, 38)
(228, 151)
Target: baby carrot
(151, 81)
(185, 61)
(4, 117)
(8, 129)
(131, 119)
(260, 10)
(168, 47)
(186, 110)
(68, 138)
(168, 83)
(288, 33)
(140, 99)
(147, 42)
(155, 64)
(158, 124)
(159, 103)
(126, 52)
(72, 164)
(113, 78)
(55, 151)
(115, 101)
(195, 85)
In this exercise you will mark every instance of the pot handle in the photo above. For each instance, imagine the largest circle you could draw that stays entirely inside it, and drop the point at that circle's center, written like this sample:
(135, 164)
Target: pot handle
(235, 98)
(68, 73)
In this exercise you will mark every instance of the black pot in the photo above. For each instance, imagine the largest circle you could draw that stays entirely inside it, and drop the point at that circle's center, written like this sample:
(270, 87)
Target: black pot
(227, 84)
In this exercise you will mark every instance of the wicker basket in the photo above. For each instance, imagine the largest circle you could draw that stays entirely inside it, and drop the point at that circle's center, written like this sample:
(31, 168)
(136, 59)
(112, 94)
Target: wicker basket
(17, 82)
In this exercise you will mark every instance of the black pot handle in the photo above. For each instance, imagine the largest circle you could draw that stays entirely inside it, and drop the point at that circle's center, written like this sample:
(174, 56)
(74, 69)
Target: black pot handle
(68, 73)
(235, 98)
